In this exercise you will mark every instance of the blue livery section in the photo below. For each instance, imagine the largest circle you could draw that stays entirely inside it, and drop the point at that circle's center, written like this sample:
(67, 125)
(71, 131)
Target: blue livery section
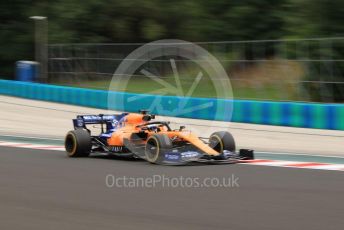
(295, 114)
(111, 122)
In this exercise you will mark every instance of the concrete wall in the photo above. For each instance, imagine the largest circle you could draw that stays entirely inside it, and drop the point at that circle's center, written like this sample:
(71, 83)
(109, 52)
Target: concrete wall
(307, 115)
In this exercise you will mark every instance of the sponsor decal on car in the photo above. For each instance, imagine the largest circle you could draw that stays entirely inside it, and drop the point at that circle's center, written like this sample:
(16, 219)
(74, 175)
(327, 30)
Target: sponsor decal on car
(80, 123)
(190, 155)
(172, 156)
(98, 118)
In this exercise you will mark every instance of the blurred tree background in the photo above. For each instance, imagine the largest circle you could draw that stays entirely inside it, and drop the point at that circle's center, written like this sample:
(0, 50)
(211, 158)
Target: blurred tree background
(105, 21)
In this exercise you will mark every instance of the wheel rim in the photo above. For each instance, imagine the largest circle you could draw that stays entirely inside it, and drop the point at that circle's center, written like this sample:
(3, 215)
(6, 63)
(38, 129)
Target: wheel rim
(152, 149)
(70, 144)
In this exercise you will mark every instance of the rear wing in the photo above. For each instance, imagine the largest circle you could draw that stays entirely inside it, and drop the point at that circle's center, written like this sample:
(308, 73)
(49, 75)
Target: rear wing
(109, 119)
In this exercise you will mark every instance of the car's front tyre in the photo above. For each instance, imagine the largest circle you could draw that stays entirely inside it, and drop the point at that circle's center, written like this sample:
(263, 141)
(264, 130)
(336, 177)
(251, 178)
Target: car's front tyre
(221, 141)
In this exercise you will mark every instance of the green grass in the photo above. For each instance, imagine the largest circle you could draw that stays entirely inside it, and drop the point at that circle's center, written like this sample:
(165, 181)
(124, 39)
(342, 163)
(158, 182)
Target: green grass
(205, 88)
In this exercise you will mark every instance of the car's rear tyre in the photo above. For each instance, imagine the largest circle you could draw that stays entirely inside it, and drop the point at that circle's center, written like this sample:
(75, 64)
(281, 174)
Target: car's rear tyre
(221, 141)
(156, 147)
(78, 143)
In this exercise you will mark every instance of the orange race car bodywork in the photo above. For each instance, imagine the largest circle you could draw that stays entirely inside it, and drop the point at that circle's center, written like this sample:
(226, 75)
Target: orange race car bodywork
(132, 122)
(136, 135)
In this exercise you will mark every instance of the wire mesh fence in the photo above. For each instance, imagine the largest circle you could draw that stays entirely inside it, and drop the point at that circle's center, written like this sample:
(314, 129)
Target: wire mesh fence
(294, 69)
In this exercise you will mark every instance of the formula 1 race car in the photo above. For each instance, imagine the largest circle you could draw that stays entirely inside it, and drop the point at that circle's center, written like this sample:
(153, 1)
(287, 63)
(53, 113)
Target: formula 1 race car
(136, 135)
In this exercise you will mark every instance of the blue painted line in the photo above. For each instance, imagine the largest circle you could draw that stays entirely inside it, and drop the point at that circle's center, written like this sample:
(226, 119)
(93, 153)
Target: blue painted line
(266, 113)
(307, 116)
(246, 112)
(331, 119)
(285, 119)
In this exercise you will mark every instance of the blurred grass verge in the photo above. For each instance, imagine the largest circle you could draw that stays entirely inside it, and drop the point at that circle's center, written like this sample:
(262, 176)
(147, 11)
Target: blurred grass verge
(268, 80)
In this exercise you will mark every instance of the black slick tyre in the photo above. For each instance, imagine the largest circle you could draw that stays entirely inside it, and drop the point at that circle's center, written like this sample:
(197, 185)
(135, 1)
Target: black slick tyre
(221, 141)
(78, 143)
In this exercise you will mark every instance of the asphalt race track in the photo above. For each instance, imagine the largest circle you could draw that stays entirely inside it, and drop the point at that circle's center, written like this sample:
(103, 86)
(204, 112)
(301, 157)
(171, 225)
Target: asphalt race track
(46, 189)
